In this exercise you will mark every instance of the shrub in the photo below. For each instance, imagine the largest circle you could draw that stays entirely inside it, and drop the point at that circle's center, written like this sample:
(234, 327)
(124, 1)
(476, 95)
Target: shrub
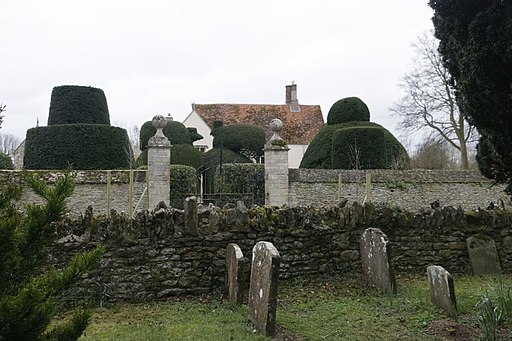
(5, 161)
(348, 110)
(181, 154)
(325, 147)
(78, 104)
(358, 148)
(245, 179)
(194, 135)
(244, 139)
(83, 146)
(183, 184)
(212, 159)
(175, 131)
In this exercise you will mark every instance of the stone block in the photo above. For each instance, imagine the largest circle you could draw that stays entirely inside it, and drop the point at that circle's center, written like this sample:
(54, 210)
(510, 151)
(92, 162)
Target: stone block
(483, 255)
(378, 270)
(191, 217)
(236, 266)
(263, 287)
(442, 290)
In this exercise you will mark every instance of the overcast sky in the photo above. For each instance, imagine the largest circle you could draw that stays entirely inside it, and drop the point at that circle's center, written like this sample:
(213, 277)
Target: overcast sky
(157, 57)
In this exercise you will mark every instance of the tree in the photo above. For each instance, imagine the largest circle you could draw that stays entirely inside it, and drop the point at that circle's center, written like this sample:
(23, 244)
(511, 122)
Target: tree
(432, 153)
(8, 143)
(28, 295)
(244, 139)
(429, 103)
(5, 161)
(2, 109)
(475, 38)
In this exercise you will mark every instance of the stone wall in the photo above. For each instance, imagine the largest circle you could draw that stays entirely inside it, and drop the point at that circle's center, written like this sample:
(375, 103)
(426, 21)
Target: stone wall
(158, 254)
(408, 189)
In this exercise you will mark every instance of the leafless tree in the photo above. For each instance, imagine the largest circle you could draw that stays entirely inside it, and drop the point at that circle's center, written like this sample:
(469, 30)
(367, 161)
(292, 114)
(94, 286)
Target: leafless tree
(2, 109)
(433, 153)
(429, 103)
(8, 143)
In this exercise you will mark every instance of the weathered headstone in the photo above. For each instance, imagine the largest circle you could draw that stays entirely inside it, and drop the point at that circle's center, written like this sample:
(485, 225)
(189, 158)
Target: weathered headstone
(376, 259)
(236, 281)
(191, 218)
(263, 287)
(442, 290)
(483, 255)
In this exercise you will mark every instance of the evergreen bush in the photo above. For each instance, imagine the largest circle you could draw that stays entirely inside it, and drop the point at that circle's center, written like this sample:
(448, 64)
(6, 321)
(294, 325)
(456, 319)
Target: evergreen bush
(348, 110)
(358, 148)
(245, 139)
(183, 184)
(246, 180)
(82, 146)
(181, 154)
(72, 104)
(175, 131)
(5, 161)
(29, 295)
(213, 158)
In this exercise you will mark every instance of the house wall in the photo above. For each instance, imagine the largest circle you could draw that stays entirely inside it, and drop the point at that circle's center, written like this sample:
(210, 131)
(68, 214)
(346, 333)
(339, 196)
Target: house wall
(295, 154)
(194, 120)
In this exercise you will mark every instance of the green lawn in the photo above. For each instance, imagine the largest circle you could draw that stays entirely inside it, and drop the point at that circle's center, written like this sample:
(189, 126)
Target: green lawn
(320, 309)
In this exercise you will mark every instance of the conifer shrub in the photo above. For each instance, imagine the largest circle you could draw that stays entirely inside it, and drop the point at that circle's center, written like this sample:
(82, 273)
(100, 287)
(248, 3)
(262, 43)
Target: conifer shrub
(184, 183)
(347, 110)
(82, 146)
(175, 131)
(181, 154)
(358, 148)
(6, 161)
(244, 139)
(215, 157)
(245, 179)
(72, 104)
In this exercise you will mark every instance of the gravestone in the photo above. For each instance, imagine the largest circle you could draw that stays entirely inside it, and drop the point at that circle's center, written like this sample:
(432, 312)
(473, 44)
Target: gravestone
(376, 260)
(483, 255)
(263, 287)
(442, 290)
(235, 263)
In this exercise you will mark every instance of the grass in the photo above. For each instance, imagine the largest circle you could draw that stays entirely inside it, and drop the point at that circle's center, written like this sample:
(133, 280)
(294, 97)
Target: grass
(320, 309)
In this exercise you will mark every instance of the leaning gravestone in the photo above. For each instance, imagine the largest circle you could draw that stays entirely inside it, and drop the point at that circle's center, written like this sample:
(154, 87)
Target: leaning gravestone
(442, 290)
(483, 255)
(376, 259)
(235, 263)
(263, 287)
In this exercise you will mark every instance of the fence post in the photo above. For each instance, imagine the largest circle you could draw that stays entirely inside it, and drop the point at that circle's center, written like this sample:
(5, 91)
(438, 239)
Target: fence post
(159, 160)
(368, 196)
(276, 167)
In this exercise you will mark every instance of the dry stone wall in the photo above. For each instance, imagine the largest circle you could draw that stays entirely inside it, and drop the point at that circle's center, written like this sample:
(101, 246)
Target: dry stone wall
(154, 255)
(407, 189)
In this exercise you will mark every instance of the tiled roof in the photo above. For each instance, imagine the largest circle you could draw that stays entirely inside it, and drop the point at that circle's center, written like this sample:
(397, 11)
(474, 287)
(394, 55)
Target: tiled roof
(299, 127)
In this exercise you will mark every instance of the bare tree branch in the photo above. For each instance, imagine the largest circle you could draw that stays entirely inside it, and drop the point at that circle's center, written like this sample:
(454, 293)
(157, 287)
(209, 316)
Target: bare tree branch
(429, 103)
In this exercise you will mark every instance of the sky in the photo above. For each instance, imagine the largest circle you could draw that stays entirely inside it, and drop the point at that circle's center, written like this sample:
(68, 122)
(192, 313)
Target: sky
(158, 57)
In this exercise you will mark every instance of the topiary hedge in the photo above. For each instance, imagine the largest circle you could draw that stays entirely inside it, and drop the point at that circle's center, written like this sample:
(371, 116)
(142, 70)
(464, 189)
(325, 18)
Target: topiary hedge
(244, 139)
(183, 184)
(358, 148)
(212, 159)
(175, 131)
(5, 161)
(347, 110)
(245, 179)
(71, 104)
(325, 147)
(181, 154)
(82, 146)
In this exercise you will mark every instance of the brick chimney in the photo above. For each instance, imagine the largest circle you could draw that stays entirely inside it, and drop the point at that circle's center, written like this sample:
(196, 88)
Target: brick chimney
(291, 97)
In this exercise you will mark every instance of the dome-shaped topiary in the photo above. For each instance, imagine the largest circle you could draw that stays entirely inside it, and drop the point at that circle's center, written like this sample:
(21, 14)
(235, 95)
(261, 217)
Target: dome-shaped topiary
(72, 104)
(245, 139)
(175, 131)
(347, 110)
(181, 154)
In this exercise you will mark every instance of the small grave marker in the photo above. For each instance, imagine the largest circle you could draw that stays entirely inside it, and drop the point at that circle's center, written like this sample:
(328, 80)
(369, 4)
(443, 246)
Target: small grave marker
(263, 287)
(442, 290)
(376, 259)
(235, 263)
(483, 255)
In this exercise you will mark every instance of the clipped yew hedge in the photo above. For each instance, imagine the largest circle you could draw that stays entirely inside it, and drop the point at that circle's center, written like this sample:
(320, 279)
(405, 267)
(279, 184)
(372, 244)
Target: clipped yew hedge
(359, 148)
(5, 161)
(240, 138)
(348, 110)
(78, 104)
(212, 159)
(181, 154)
(175, 131)
(184, 183)
(81, 146)
(244, 179)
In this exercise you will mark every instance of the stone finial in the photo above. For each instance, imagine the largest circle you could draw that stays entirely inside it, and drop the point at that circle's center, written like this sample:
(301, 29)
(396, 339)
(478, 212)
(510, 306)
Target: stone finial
(276, 125)
(159, 122)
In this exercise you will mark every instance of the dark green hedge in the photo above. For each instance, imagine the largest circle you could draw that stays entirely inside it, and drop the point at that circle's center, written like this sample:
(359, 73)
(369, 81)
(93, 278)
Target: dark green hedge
(359, 148)
(347, 110)
(244, 139)
(324, 148)
(175, 131)
(72, 104)
(212, 159)
(245, 181)
(5, 161)
(183, 184)
(181, 154)
(81, 146)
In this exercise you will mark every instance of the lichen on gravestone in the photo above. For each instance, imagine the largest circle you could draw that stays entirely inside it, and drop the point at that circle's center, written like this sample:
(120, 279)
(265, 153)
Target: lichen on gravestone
(442, 289)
